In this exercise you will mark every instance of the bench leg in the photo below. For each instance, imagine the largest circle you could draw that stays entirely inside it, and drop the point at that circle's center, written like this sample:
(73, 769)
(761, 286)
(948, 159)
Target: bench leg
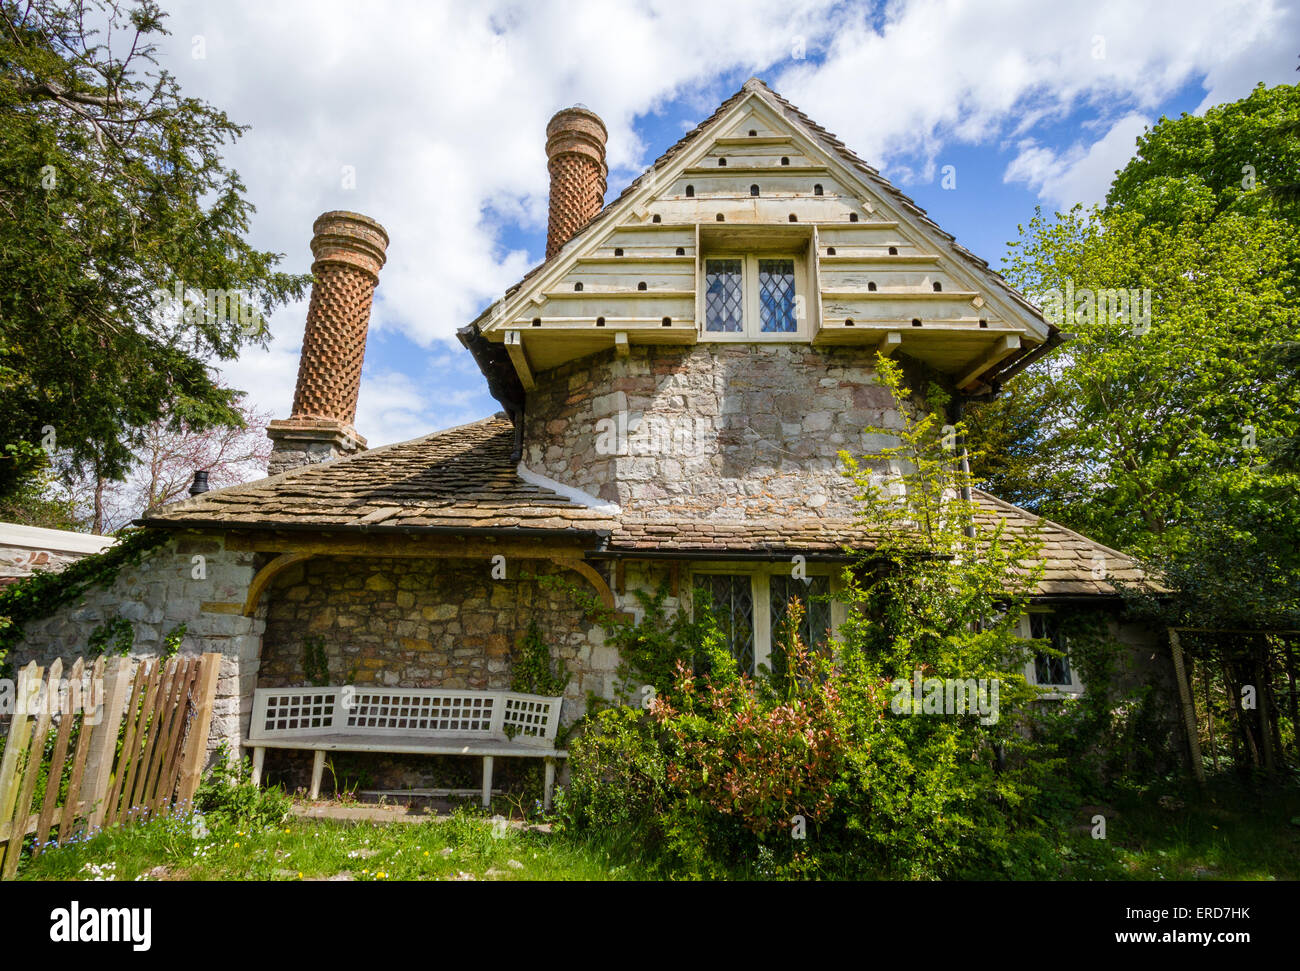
(549, 786)
(487, 781)
(259, 759)
(317, 770)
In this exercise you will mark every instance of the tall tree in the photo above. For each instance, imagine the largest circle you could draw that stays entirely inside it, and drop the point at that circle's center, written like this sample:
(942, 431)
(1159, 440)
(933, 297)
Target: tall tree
(170, 456)
(113, 193)
(1173, 437)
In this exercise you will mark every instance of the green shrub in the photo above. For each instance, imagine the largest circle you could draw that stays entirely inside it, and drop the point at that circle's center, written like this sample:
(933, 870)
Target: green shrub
(618, 772)
(827, 770)
(227, 795)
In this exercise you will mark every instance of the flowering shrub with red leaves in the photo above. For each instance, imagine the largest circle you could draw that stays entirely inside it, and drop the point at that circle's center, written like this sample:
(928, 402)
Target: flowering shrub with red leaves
(761, 764)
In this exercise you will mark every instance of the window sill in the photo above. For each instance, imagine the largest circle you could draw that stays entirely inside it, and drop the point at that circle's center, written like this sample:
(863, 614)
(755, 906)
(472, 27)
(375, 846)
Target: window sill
(719, 337)
(1056, 692)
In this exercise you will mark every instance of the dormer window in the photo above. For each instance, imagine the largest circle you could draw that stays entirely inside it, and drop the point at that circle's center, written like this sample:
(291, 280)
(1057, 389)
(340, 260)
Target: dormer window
(752, 297)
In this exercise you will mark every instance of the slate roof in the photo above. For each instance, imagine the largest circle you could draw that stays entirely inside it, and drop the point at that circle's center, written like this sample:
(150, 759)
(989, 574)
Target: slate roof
(462, 479)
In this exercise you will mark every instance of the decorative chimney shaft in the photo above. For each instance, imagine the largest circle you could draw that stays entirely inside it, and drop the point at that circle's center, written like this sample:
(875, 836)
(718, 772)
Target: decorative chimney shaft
(575, 153)
(349, 251)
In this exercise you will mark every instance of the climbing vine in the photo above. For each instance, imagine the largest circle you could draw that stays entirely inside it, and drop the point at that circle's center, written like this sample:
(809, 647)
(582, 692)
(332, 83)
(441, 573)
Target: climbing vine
(115, 636)
(315, 663)
(1120, 727)
(44, 592)
(171, 643)
(533, 671)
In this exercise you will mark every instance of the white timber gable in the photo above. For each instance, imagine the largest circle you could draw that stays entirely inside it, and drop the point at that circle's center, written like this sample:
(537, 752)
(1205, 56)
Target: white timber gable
(758, 201)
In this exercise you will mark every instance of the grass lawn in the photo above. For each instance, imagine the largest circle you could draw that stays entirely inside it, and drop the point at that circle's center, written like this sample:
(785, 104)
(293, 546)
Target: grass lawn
(459, 847)
(1223, 833)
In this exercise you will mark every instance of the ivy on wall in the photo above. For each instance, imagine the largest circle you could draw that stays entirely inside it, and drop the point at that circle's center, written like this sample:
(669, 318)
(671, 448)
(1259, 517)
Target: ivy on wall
(43, 592)
(115, 636)
(315, 663)
(1122, 726)
(532, 670)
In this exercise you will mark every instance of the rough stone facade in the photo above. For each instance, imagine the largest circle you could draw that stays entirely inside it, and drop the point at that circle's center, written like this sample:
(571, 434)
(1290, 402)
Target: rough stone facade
(27, 549)
(309, 441)
(714, 430)
(427, 624)
(18, 562)
(169, 588)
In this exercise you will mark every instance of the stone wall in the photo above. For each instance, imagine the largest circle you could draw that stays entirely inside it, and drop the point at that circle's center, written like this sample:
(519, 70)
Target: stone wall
(17, 562)
(169, 588)
(428, 623)
(25, 550)
(714, 430)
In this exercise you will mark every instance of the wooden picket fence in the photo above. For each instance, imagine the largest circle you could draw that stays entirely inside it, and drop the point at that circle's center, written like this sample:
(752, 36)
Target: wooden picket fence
(142, 756)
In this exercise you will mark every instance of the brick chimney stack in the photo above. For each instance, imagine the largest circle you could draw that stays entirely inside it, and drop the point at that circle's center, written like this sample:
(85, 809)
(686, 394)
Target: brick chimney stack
(349, 250)
(575, 154)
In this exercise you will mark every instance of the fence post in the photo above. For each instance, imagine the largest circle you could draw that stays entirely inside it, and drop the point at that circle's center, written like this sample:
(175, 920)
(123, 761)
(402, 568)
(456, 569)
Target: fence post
(1189, 711)
(196, 745)
(35, 758)
(103, 744)
(60, 755)
(11, 832)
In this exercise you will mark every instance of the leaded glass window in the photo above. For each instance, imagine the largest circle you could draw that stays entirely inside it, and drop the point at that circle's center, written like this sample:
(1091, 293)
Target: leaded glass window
(732, 598)
(724, 297)
(1049, 669)
(815, 597)
(776, 304)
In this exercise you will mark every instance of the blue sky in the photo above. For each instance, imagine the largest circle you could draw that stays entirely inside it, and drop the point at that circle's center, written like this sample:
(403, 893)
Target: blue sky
(439, 109)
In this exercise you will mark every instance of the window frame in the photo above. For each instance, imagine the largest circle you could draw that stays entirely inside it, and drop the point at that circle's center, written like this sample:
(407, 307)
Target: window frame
(761, 597)
(751, 309)
(1049, 692)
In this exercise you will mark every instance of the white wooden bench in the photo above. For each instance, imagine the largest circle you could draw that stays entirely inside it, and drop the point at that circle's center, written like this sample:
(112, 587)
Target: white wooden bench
(420, 721)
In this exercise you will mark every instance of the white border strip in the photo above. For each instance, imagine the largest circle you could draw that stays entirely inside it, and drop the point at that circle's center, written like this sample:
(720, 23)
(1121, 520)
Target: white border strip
(52, 540)
(568, 492)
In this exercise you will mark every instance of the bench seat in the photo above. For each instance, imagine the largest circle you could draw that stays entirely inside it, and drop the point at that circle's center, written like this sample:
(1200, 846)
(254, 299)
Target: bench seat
(414, 745)
(413, 721)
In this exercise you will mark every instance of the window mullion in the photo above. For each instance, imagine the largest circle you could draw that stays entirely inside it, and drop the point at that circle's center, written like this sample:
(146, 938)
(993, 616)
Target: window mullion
(762, 620)
(751, 295)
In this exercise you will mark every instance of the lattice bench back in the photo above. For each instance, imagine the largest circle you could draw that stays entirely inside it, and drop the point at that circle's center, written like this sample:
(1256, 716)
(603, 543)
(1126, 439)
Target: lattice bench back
(350, 710)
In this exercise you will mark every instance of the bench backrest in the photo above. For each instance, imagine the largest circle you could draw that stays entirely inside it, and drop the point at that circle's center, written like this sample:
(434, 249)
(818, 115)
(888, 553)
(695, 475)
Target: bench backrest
(433, 712)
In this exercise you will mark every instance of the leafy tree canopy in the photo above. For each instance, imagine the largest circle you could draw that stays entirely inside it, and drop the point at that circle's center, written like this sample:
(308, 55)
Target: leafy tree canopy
(1240, 157)
(113, 190)
(1169, 427)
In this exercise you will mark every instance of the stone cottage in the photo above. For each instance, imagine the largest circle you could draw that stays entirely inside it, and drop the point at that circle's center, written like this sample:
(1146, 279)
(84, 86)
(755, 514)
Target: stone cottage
(677, 379)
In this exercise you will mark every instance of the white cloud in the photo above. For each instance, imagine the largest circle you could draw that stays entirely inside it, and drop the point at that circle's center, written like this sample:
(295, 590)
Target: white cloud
(1078, 173)
(399, 406)
(441, 108)
(946, 69)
